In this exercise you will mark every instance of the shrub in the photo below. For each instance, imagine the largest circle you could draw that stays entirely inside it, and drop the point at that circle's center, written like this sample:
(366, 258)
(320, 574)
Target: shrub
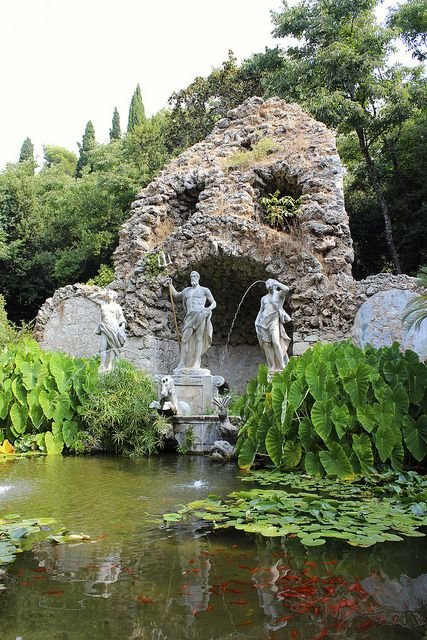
(338, 410)
(117, 412)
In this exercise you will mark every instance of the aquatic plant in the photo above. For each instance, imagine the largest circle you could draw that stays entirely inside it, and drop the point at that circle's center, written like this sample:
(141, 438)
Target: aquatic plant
(361, 513)
(337, 410)
(117, 413)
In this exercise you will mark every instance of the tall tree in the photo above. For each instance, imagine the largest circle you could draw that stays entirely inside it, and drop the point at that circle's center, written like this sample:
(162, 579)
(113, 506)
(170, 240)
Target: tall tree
(27, 151)
(197, 108)
(115, 132)
(60, 157)
(338, 69)
(87, 145)
(410, 19)
(136, 110)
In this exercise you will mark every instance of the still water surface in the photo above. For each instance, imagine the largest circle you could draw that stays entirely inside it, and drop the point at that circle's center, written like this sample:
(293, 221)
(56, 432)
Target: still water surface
(137, 579)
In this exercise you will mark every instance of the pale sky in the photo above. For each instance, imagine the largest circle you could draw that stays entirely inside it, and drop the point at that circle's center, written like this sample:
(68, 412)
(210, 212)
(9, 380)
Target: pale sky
(65, 62)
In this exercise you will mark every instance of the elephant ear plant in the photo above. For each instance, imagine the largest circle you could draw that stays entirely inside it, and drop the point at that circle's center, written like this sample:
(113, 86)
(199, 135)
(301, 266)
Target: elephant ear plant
(337, 411)
(41, 395)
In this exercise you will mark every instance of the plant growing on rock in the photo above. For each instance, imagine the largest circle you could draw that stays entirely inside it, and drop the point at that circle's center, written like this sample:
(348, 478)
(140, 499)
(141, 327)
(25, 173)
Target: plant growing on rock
(339, 411)
(280, 211)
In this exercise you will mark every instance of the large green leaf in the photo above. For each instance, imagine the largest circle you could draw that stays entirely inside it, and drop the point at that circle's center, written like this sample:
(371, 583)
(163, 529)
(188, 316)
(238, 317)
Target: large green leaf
(312, 464)
(321, 418)
(18, 416)
(415, 436)
(397, 455)
(47, 402)
(61, 368)
(69, 432)
(274, 445)
(35, 410)
(306, 433)
(385, 441)
(417, 381)
(297, 392)
(277, 398)
(336, 463)
(357, 385)
(366, 417)
(384, 413)
(316, 374)
(63, 408)
(18, 391)
(5, 398)
(33, 374)
(363, 450)
(54, 444)
(340, 416)
(247, 452)
(291, 455)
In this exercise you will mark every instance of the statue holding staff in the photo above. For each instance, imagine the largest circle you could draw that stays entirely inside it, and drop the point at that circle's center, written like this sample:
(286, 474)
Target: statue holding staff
(269, 326)
(111, 328)
(197, 328)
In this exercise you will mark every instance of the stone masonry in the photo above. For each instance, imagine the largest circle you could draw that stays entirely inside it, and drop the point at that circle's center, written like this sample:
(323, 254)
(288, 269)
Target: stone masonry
(203, 211)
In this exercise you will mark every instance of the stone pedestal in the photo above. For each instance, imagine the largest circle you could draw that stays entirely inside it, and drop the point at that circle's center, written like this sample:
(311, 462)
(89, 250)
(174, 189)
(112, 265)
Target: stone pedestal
(197, 391)
(196, 434)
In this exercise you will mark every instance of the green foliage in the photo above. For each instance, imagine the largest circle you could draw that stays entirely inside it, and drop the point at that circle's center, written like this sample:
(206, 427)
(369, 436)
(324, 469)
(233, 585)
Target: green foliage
(248, 157)
(115, 131)
(136, 110)
(87, 145)
(41, 395)
(104, 276)
(65, 160)
(416, 310)
(117, 412)
(151, 265)
(410, 18)
(27, 151)
(361, 513)
(197, 108)
(338, 410)
(280, 211)
(7, 332)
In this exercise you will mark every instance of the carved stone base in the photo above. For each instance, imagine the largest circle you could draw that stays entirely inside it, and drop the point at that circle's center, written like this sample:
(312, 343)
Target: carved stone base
(196, 434)
(197, 391)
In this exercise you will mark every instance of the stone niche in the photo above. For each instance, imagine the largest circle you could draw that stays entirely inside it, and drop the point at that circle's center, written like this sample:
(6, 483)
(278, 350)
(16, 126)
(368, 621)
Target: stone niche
(203, 210)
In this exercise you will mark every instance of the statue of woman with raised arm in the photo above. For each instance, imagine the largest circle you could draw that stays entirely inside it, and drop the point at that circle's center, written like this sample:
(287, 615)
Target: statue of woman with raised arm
(269, 326)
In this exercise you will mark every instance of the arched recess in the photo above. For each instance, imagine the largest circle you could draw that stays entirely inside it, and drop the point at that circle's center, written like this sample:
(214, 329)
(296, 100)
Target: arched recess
(235, 353)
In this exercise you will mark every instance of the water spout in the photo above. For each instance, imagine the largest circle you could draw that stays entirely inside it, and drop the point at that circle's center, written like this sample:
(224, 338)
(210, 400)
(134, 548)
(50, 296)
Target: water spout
(237, 313)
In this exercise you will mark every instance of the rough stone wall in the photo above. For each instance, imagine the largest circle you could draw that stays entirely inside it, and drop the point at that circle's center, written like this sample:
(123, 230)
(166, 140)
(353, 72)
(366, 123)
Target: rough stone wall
(203, 211)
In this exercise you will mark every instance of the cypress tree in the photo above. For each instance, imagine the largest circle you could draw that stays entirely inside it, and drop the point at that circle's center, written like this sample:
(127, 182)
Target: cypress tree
(27, 151)
(87, 145)
(115, 132)
(136, 110)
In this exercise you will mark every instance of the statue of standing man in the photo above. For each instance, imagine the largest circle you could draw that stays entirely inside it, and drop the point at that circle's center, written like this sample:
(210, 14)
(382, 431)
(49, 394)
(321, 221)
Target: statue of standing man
(111, 328)
(269, 325)
(197, 328)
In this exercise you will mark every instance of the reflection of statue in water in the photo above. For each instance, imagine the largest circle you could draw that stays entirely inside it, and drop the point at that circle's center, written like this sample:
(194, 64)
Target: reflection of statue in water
(269, 325)
(197, 329)
(111, 328)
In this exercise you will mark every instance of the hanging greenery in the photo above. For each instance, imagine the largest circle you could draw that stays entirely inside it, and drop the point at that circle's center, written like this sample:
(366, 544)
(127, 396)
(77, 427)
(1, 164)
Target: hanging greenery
(338, 411)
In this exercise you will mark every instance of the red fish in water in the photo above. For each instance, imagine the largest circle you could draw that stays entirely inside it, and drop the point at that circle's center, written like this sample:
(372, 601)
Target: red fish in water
(144, 600)
(239, 602)
(52, 592)
(40, 569)
(245, 623)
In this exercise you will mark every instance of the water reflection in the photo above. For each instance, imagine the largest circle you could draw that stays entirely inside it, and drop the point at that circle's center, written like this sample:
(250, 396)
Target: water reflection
(136, 579)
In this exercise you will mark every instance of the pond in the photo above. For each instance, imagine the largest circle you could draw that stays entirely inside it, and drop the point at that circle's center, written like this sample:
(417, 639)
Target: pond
(138, 579)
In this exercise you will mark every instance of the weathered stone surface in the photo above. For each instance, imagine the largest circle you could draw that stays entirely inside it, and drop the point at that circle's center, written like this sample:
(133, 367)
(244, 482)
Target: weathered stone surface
(203, 210)
(379, 322)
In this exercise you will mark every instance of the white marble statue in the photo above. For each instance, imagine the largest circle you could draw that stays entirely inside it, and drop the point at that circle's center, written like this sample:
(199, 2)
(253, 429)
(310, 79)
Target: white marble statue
(269, 325)
(169, 403)
(111, 328)
(197, 328)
